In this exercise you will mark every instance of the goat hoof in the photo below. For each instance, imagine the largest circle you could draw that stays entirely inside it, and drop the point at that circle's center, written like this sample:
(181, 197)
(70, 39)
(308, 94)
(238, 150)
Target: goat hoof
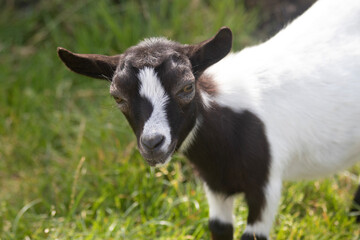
(220, 231)
(356, 213)
(247, 236)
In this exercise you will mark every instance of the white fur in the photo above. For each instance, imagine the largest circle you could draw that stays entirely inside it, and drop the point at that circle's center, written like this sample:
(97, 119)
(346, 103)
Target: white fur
(304, 84)
(149, 42)
(152, 89)
(220, 206)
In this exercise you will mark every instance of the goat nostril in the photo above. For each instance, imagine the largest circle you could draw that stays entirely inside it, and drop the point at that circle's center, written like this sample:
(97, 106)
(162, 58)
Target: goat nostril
(153, 141)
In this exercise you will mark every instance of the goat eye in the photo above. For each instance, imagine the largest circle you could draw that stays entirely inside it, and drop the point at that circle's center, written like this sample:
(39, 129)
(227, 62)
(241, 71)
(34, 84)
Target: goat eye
(188, 88)
(186, 94)
(118, 100)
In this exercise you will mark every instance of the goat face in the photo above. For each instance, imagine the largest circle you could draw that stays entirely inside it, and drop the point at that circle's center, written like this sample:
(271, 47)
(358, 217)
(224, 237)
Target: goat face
(154, 85)
(156, 96)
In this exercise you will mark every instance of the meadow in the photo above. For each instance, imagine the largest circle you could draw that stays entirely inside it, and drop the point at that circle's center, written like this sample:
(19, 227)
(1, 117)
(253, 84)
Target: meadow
(69, 168)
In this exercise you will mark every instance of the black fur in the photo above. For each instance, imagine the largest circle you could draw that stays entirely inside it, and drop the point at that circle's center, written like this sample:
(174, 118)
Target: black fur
(221, 231)
(232, 155)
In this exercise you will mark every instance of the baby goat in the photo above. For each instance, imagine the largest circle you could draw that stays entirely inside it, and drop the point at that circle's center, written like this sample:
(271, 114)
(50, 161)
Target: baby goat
(286, 109)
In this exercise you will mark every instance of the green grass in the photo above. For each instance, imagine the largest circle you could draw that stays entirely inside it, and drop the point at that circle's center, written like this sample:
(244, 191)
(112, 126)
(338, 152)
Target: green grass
(69, 168)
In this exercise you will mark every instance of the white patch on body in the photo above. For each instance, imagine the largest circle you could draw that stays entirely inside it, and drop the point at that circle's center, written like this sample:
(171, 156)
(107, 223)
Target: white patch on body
(152, 90)
(220, 206)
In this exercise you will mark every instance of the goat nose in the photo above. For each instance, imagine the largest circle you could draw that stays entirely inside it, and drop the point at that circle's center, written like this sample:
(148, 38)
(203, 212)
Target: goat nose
(152, 142)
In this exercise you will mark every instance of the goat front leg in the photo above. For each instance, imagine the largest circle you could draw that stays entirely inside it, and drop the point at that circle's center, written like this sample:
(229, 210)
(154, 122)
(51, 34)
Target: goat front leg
(263, 204)
(221, 215)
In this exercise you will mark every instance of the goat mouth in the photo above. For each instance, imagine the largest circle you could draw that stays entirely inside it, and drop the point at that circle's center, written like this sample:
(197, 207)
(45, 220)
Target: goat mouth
(160, 158)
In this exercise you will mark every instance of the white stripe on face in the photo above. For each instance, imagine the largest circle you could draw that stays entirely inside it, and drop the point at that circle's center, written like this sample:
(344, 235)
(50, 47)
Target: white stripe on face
(152, 90)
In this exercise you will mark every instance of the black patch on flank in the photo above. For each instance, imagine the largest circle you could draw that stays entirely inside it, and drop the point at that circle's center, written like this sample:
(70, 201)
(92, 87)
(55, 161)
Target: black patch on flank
(232, 155)
(220, 231)
(248, 236)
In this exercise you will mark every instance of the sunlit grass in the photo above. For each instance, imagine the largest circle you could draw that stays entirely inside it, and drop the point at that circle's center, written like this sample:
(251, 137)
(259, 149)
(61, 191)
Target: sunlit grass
(69, 168)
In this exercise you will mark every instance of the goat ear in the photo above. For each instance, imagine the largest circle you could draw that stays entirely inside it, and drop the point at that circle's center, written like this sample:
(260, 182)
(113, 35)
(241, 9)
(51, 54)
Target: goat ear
(91, 65)
(208, 52)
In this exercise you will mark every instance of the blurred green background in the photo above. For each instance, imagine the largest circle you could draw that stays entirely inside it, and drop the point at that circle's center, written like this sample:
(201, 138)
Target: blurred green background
(69, 168)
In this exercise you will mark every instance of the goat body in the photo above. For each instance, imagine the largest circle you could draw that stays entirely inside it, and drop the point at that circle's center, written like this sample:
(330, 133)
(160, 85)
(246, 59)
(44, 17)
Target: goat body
(304, 86)
(287, 109)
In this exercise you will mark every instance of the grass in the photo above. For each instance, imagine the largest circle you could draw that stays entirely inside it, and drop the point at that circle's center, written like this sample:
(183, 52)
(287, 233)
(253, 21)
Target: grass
(69, 168)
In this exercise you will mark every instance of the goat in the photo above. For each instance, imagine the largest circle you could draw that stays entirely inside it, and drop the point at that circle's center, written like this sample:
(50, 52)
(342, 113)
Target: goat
(287, 109)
